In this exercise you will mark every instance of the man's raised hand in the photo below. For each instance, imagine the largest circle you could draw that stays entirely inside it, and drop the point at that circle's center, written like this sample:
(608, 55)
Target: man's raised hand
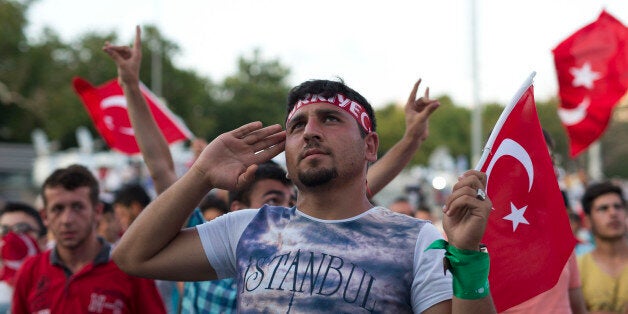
(418, 112)
(229, 161)
(127, 59)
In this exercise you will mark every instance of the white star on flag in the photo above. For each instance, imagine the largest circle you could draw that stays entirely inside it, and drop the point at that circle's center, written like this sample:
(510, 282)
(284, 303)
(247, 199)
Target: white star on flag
(516, 216)
(584, 76)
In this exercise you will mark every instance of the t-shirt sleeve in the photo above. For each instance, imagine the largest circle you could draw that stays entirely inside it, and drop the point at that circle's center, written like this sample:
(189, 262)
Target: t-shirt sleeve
(220, 238)
(430, 285)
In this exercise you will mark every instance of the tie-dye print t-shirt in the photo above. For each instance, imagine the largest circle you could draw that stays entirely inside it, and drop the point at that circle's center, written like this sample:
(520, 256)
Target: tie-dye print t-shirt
(288, 262)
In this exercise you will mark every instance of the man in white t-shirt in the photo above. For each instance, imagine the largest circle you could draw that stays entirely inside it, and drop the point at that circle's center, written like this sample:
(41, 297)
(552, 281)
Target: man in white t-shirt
(334, 251)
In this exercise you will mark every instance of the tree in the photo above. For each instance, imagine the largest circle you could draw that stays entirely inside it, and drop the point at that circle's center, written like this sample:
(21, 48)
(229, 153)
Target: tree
(449, 126)
(18, 99)
(257, 91)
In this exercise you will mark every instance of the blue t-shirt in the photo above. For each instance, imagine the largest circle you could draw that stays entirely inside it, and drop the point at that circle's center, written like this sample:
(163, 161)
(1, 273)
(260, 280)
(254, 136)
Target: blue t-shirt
(286, 261)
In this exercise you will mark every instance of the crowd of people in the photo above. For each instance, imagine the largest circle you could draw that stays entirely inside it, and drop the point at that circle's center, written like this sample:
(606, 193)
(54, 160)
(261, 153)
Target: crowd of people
(239, 232)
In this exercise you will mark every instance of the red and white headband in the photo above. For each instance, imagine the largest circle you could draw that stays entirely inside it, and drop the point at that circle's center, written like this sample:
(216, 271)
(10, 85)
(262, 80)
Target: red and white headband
(353, 108)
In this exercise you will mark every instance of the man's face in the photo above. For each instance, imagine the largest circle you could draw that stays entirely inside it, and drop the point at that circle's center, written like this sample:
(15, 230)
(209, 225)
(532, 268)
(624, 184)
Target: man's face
(71, 216)
(323, 143)
(608, 217)
(109, 227)
(19, 222)
(271, 192)
(126, 214)
(267, 191)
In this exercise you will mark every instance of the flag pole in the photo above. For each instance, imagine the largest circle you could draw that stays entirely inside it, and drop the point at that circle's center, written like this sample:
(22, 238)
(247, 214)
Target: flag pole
(595, 162)
(156, 56)
(476, 114)
(502, 118)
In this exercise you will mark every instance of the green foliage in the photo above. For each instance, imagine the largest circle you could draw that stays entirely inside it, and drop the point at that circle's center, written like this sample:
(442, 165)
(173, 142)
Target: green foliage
(615, 147)
(36, 92)
(256, 92)
(449, 126)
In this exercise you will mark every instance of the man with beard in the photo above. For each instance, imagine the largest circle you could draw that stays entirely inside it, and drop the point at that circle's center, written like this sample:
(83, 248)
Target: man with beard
(77, 275)
(604, 271)
(334, 251)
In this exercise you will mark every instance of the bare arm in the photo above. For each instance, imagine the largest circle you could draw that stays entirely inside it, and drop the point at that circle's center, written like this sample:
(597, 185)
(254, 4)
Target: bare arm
(154, 246)
(576, 301)
(151, 141)
(576, 298)
(464, 220)
(417, 113)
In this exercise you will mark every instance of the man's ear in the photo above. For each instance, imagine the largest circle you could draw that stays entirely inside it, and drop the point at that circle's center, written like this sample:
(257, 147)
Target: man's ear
(371, 143)
(44, 216)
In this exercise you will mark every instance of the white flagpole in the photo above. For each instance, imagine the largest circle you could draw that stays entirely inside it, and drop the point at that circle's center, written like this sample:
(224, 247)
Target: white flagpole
(595, 161)
(156, 56)
(476, 113)
(502, 119)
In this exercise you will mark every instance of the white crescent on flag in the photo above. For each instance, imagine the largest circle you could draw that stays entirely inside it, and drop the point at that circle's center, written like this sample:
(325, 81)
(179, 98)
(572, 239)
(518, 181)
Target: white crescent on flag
(508, 147)
(574, 116)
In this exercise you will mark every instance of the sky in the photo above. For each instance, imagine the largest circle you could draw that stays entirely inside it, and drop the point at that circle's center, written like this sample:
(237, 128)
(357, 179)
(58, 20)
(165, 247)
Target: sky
(380, 48)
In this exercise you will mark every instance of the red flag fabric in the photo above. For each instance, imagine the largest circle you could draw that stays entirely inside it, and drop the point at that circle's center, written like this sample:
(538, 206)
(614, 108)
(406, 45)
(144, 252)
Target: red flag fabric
(528, 234)
(106, 106)
(592, 69)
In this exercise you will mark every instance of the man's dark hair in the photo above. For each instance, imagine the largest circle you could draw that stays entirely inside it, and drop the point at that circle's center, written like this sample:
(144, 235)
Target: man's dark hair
(268, 170)
(72, 178)
(596, 190)
(400, 199)
(107, 207)
(19, 207)
(329, 89)
(211, 200)
(129, 193)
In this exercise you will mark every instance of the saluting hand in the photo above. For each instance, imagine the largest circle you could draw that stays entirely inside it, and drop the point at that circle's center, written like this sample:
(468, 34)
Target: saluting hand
(229, 161)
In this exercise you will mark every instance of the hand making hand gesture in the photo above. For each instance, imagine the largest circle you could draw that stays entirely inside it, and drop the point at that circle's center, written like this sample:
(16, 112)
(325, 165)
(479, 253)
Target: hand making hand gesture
(418, 112)
(127, 59)
(229, 161)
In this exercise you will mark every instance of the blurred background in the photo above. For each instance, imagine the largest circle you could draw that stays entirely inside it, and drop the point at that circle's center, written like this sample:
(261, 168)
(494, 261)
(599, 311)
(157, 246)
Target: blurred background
(218, 65)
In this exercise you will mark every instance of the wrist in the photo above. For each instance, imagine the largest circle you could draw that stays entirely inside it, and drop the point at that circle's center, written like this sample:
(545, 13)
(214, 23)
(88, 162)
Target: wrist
(411, 141)
(129, 84)
(469, 269)
(201, 175)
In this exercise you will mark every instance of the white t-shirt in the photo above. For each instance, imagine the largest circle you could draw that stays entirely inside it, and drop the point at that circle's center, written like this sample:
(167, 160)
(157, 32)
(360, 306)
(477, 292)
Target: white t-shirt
(287, 261)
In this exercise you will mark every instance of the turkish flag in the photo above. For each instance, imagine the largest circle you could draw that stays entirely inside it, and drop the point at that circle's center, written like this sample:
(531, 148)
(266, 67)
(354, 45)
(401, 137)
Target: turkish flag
(528, 234)
(592, 69)
(106, 106)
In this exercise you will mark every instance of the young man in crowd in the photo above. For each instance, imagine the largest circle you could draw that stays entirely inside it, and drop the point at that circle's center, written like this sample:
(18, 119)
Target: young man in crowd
(329, 141)
(128, 202)
(77, 275)
(159, 160)
(604, 271)
(270, 187)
